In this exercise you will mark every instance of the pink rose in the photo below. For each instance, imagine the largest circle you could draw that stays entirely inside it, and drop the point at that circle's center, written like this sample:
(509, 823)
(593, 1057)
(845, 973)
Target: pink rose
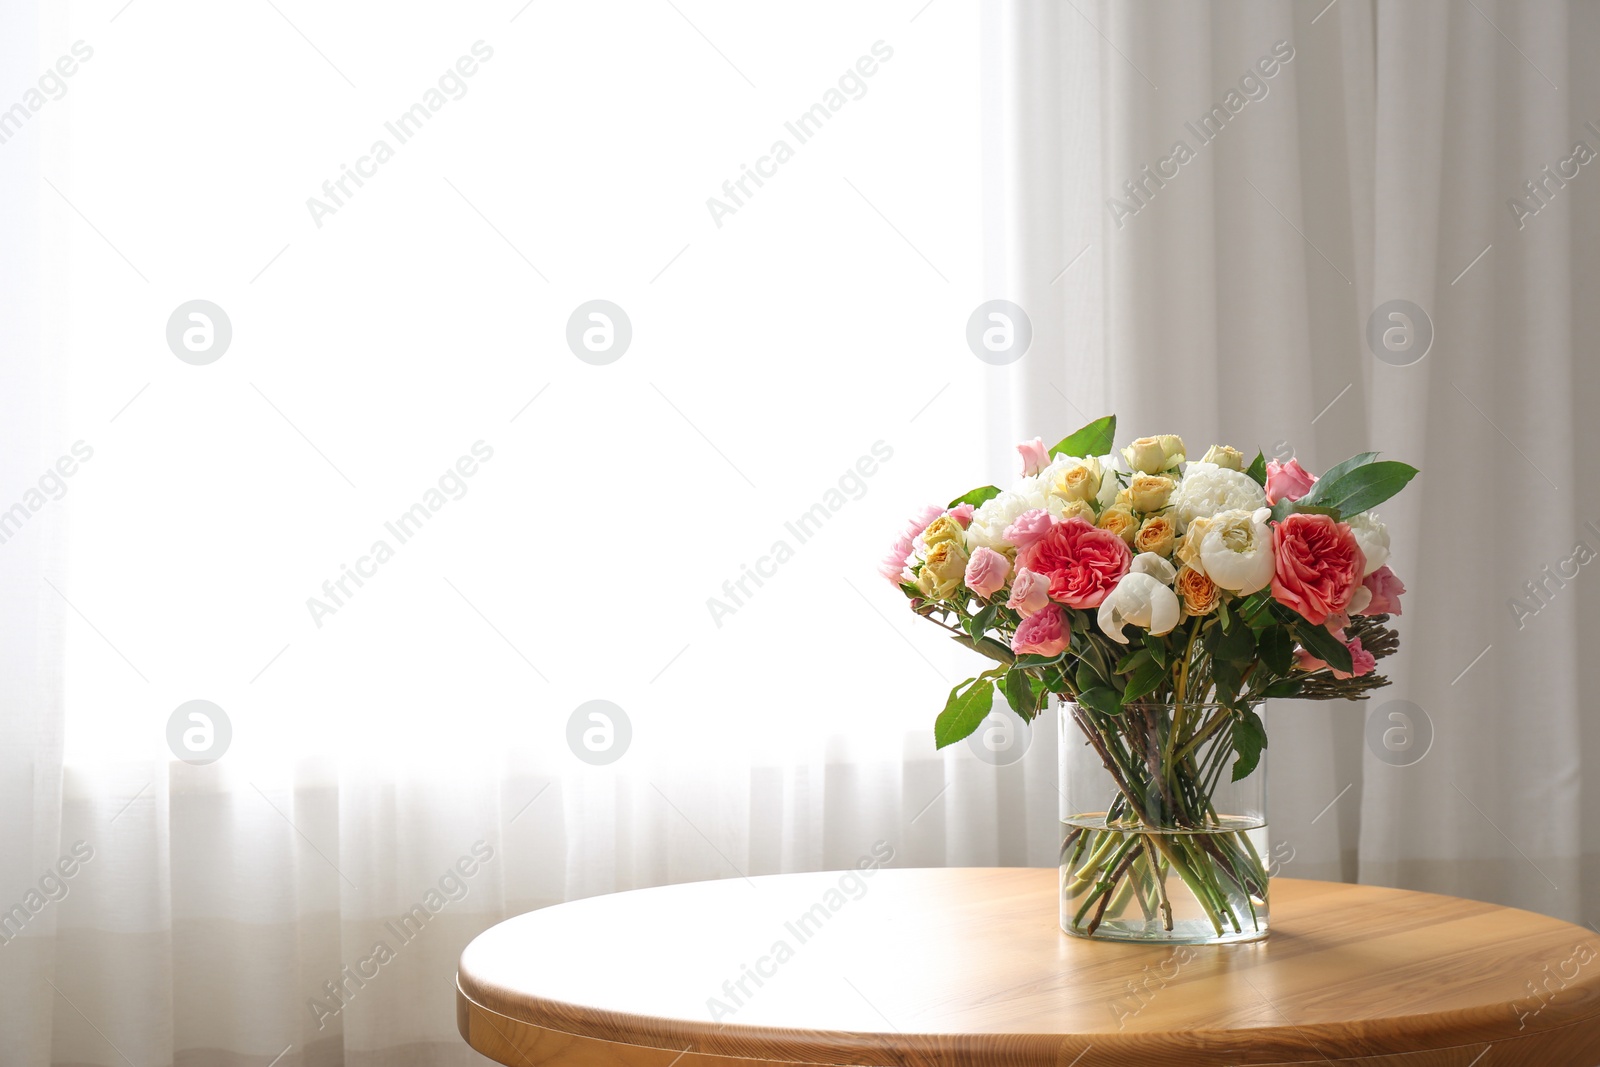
(1288, 481)
(1044, 634)
(1386, 590)
(1317, 566)
(1361, 661)
(962, 514)
(1035, 457)
(1083, 563)
(1030, 593)
(1028, 527)
(986, 571)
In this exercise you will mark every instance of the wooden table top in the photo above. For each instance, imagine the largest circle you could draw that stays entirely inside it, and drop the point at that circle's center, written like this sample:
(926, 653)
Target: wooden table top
(967, 966)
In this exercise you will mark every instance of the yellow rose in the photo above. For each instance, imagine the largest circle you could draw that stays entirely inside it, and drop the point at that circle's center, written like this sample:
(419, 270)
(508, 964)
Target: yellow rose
(1189, 548)
(1224, 456)
(1152, 455)
(1120, 521)
(1198, 593)
(1155, 535)
(944, 528)
(1077, 509)
(942, 571)
(1149, 492)
(1079, 481)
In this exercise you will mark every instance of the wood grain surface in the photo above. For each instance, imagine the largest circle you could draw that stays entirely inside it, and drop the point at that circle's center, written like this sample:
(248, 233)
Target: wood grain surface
(967, 966)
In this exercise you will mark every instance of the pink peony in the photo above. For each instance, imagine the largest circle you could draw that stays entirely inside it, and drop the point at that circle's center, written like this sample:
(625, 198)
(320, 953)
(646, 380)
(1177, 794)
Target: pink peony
(895, 562)
(963, 514)
(986, 571)
(1030, 593)
(1028, 527)
(1288, 481)
(1043, 634)
(921, 519)
(1035, 457)
(1386, 590)
(1082, 563)
(1317, 566)
(1361, 661)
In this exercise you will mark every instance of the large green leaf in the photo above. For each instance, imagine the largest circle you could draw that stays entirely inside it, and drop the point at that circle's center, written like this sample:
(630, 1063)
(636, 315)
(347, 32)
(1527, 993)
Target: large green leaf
(978, 625)
(1020, 693)
(1323, 645)
(1337, 471)
(964, 711)
(1094, 439)
(1284, 508)
(1364, 487)
(976, 496)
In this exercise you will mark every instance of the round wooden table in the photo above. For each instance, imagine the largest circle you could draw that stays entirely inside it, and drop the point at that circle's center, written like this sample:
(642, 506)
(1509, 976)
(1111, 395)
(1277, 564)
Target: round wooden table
(967, 966)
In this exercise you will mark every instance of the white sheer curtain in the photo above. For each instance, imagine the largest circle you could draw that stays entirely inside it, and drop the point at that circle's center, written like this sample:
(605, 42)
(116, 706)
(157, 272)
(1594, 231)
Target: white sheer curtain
(399, 772)
(1230, 301)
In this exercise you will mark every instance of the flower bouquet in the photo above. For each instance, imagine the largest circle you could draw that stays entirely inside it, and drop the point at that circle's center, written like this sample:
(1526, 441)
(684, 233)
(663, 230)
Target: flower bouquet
(1162, 602)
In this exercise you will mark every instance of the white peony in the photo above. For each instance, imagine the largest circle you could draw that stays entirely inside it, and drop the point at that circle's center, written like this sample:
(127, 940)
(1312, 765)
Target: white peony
(990, 519)
(1236, 550)
(1373, 537)
(1207, 489)
(1142, 599)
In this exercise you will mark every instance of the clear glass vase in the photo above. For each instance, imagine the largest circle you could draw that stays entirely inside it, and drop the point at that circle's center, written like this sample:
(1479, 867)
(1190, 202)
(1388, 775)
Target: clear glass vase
(1158, 842)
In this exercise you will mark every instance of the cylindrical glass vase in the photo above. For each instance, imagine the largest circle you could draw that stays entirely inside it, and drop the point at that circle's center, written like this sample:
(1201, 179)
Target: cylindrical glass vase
(1159, 843)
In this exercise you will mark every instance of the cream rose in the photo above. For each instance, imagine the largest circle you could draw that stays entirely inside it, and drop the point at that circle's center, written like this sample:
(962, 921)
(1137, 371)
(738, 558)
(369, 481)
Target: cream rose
(1156, 534)
(1224, 456)
(1149, 492)
(1152, 455)
(1075, 479)
(1188, 550)
(1199, 594)
(1120, 521)
(942, 571)
(944, 528)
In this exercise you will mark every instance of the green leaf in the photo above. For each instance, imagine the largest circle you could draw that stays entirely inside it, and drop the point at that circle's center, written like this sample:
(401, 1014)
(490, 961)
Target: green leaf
(1157, 647)
(1032, 659)
(1144, 680)
(978, 625)
(1086, 677)
(1020, 694)
(1093, 440)
(1101, 698)
(1277, 649)
(976, 496)
(1284, 508)
(1238, 642)
(1249, 738)
(1132, 660)
(1284, 687)
(963, 711)
(1258, 469)
(1363, 487)
(1323, 645)
(1337, 471)
(988, 646)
